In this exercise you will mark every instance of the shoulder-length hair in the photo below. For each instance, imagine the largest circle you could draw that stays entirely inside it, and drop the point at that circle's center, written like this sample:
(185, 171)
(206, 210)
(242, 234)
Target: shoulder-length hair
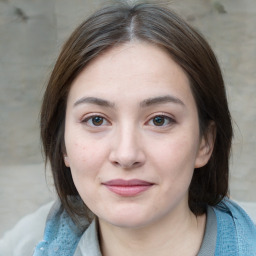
(160, 26)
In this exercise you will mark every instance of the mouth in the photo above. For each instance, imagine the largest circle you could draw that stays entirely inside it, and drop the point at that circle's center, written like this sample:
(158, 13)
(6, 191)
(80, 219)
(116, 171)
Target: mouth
(127, 188)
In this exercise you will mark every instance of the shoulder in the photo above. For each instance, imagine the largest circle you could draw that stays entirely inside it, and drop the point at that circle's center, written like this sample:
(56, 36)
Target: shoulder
(61, 234)
(24, 236)
(235, 230)
(228, 209)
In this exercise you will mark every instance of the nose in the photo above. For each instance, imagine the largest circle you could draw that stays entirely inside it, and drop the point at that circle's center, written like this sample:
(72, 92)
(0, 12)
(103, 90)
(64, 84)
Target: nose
(127, 149)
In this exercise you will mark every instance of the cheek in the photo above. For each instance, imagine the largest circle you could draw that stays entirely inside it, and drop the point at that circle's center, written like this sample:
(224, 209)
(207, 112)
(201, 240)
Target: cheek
(85, 164)
(176, 158)
(84, 156)
(177, 149)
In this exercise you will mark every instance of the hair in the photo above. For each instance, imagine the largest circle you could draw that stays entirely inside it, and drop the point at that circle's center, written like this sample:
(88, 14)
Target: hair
(158, 25)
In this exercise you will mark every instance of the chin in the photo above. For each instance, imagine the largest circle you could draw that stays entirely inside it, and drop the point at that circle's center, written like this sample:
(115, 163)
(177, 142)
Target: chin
(127, 220)
(131, 224)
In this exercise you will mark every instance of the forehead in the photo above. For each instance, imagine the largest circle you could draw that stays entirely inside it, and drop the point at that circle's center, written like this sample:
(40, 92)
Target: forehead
(131, 58)
(132, 69)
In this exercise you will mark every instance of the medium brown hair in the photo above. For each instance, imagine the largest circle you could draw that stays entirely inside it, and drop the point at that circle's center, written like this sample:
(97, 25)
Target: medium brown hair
(160, 26)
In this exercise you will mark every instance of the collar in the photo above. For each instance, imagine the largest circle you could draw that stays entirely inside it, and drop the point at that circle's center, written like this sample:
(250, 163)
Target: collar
(89, 242)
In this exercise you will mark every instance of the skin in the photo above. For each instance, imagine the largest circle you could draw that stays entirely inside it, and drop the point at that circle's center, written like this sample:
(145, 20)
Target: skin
(117, 136)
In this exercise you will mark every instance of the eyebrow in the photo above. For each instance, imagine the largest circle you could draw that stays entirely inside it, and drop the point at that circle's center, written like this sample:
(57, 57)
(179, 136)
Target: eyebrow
(161, 100)
(144, 103)
(95, 101)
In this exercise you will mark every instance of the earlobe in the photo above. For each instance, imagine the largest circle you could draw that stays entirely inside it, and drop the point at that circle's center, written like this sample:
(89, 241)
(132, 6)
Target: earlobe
(206, 146)
(66, 161)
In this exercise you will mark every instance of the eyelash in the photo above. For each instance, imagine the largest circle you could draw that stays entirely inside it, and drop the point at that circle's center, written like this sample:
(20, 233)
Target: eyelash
(88, 120)
(167, 120)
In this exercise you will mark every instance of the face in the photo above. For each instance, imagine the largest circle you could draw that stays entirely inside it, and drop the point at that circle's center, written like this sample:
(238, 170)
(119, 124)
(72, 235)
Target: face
(132, 136)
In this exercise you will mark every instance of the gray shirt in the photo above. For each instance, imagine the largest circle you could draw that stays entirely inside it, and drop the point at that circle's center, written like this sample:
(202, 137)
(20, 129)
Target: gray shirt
(89, 243)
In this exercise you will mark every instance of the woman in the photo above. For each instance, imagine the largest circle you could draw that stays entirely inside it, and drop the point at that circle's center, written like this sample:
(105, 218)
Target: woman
(136, 126)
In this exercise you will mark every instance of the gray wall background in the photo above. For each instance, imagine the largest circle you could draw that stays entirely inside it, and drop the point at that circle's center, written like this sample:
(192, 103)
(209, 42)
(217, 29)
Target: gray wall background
(31, 34)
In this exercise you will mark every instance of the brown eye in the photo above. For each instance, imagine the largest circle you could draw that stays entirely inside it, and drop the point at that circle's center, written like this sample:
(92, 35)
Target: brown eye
(159, 120)
(97, 120)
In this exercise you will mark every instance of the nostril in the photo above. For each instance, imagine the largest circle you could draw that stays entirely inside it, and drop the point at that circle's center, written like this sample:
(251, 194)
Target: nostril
(126, 166)
(127, 157)
(115, 163)
(136, 164)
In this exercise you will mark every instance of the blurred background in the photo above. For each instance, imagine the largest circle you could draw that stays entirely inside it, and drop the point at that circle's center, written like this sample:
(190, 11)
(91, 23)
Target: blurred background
(31, 34)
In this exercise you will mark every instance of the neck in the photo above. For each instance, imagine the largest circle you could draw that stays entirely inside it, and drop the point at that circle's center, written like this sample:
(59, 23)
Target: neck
(177, 234)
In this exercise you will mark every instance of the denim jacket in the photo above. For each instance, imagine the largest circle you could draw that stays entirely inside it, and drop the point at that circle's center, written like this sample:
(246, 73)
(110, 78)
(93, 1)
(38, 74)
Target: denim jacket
(236, 233)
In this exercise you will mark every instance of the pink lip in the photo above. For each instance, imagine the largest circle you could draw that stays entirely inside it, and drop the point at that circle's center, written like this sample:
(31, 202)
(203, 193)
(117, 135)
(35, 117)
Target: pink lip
(128, 188)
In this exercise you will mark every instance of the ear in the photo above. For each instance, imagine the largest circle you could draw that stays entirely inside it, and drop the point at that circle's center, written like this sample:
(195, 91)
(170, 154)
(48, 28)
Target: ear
(66, 161)
(206, 146)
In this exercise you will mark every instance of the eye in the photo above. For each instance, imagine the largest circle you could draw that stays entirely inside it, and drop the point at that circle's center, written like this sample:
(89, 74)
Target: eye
(161, 120)
(94, 121)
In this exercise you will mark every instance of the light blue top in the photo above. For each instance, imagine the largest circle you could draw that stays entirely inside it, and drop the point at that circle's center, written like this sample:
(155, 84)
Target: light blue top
(236, 234)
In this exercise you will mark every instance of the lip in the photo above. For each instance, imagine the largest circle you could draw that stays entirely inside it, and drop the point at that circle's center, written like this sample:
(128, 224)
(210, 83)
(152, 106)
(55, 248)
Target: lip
(127, 188)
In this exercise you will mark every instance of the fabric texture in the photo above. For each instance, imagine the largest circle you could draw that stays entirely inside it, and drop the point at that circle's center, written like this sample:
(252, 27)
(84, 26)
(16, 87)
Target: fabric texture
(22, 238)
(236, 234)
(61, 234)
(89, 243)
(209, 242)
